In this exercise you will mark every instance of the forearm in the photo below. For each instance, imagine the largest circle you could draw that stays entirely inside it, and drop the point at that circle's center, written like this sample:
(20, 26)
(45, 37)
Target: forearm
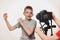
(8, 25)
(54, 37)
(27, 30)
(42, 35)
(57, 21)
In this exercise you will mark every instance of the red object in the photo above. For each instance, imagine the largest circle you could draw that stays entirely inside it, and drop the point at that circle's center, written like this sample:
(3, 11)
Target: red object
(58, 34)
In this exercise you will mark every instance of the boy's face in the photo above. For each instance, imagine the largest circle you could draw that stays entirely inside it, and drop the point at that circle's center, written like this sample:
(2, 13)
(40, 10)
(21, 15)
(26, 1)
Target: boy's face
(28, 13)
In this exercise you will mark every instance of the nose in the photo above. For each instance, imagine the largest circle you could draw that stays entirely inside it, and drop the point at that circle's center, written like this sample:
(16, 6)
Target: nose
(29, 14)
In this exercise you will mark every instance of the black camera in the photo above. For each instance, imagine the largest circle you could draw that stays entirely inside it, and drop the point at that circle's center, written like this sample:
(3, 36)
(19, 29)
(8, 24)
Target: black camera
(45, 16)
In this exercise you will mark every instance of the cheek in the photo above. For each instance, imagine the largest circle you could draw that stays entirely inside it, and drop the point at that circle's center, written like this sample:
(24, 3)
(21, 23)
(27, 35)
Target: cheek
(26, 15)
(31, 15)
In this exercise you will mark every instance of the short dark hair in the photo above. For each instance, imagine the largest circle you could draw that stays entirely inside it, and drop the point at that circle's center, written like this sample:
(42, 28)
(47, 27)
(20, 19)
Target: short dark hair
(28, 7)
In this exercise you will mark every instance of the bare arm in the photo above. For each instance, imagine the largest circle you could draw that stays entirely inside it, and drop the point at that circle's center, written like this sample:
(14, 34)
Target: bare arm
(29, 31)
(57, 21)
(54, 37)
(7, 23)
(43, 36)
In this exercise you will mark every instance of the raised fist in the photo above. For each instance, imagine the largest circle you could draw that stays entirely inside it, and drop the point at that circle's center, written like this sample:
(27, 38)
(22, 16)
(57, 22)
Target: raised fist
(5, 16)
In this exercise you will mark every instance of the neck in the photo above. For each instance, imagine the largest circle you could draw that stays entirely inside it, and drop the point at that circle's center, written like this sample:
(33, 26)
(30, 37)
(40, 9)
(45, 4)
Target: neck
(28, 19)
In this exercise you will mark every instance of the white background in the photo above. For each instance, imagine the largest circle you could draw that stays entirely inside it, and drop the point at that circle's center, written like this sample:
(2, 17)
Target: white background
(15, 8)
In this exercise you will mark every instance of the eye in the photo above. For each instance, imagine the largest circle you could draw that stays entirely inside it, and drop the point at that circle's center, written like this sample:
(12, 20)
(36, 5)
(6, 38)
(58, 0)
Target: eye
(27, 12)
(30, 12)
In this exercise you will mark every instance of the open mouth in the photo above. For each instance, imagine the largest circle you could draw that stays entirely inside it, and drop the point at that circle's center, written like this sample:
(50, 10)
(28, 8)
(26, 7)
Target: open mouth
(28, 16)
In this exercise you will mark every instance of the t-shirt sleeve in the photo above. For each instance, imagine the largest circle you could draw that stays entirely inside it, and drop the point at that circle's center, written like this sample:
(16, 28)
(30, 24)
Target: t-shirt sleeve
(17, 25)
(58, 34)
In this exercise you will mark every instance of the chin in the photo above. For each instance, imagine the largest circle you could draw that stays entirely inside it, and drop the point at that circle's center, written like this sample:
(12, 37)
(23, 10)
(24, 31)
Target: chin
(29, 18)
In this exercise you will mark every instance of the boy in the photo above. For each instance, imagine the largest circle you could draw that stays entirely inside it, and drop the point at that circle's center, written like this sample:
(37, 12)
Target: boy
(28, 24)
(54, 37)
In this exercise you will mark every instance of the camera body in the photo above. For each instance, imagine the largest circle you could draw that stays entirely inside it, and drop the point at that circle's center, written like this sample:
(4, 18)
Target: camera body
(43, 16)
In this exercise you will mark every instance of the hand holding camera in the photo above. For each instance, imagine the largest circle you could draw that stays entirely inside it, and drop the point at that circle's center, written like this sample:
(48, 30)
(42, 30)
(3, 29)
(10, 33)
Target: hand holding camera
(45, 16)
